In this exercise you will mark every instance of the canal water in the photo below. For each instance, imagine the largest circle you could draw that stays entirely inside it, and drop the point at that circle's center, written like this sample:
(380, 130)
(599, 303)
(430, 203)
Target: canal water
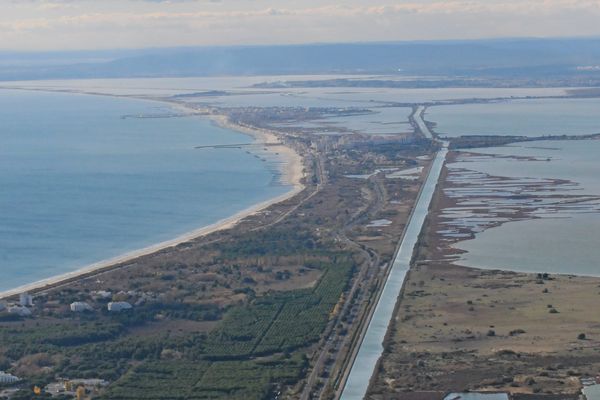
(371, 347)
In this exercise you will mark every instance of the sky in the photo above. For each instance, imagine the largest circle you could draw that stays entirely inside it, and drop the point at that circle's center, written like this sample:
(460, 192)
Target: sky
(33, 25)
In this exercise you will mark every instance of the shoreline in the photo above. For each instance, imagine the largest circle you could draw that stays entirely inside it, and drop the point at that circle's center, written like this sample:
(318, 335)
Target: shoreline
(292, 173)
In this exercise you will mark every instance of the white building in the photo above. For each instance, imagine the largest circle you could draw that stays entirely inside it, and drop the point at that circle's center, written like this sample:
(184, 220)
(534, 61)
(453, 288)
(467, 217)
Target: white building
(69, 386)
(89, 383)
(25, 300)
(20, 311)
(103, 294)
(116, 306)
(8, 378)
(80, 306)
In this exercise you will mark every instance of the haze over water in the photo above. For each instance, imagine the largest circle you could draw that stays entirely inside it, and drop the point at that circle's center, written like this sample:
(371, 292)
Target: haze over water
(79, 183)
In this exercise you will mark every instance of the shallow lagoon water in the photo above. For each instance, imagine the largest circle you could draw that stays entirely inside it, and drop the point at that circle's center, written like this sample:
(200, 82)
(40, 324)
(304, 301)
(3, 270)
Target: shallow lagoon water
(379, 121)
(79, 183)
(567, 245)
(534, 117)
(563, 242)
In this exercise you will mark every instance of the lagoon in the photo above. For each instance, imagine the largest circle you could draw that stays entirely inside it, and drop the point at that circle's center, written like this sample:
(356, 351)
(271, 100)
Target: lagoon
(562, 240)
(532, 118)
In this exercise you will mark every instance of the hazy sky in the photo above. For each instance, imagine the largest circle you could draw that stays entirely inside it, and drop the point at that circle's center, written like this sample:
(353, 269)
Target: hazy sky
(101, 24)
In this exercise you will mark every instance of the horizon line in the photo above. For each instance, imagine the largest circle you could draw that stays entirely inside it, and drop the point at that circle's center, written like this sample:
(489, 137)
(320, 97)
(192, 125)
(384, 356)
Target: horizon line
(333, 43)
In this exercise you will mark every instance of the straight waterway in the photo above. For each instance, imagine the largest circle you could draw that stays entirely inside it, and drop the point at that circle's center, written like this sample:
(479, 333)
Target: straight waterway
(371, 347)
(418, 117)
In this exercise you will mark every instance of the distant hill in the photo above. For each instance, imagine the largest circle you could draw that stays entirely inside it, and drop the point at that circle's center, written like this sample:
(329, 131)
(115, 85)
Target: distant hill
(501, 57)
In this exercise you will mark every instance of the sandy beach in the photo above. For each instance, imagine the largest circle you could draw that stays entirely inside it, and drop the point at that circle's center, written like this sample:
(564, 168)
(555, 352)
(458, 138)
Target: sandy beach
(292, 174)
(292, 170)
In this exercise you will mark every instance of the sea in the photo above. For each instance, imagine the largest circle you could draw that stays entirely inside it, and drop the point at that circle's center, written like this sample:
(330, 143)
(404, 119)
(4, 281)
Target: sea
(84, 178)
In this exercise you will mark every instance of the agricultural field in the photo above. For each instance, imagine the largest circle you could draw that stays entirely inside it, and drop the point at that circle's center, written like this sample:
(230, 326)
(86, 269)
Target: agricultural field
(250, 379)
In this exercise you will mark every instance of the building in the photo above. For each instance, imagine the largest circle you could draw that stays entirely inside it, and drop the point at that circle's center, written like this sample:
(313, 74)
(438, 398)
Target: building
(71, 387)
(7, 378)
(55, 388)
(19, 310)
(116, 306)
(103, 295)
(25, 300)
(80, 306)
(89, 383)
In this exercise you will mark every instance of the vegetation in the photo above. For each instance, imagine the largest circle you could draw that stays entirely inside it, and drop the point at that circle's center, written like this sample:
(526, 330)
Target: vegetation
(252, 379)
(22, 340)
(251, 352)
(225, 363)
(280, 321)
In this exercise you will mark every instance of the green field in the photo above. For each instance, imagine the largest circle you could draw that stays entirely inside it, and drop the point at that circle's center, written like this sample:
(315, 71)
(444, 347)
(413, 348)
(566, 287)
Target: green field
(255, 348)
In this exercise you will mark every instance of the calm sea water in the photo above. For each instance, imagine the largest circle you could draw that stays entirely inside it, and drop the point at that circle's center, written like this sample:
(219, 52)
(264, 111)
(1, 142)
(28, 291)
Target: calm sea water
(537, 117)
(79, 183)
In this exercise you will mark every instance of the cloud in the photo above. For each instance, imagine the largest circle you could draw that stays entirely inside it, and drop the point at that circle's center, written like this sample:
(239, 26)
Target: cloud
(84, 23)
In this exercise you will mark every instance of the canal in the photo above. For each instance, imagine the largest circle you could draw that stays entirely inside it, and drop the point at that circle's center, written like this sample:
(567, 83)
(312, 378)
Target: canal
(371, 346)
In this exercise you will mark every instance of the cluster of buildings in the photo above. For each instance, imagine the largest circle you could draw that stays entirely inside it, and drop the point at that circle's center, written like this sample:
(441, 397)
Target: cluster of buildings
(22, 308)
(103, 295)
(116, 301)
(79, 388)
(113, 306)
(140, 297)
(8, 378)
